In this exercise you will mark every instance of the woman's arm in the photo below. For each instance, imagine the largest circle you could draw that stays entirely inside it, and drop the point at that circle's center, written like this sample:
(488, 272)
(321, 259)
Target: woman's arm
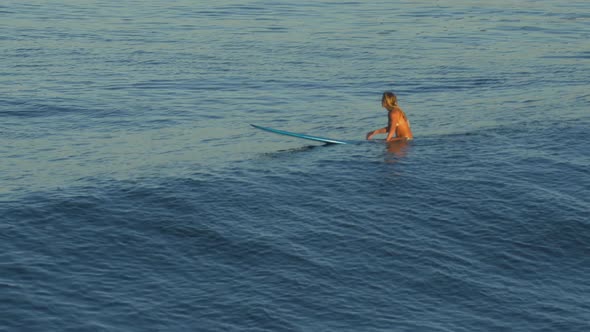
(376, 131)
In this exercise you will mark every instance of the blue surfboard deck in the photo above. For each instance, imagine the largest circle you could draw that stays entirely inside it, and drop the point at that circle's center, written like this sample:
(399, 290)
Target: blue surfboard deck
(304, 136)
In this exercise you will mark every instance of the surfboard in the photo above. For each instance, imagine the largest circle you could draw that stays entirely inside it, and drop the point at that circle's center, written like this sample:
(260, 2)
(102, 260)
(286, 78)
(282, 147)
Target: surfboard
(298, 135)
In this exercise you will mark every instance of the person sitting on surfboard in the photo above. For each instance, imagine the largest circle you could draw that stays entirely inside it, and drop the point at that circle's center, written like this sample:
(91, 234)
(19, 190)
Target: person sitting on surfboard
(398, 125)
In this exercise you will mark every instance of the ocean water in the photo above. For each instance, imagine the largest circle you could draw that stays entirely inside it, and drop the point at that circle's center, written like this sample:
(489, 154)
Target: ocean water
(134, 195)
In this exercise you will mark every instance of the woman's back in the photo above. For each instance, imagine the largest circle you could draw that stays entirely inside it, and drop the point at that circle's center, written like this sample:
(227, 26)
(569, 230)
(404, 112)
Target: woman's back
(401, 124)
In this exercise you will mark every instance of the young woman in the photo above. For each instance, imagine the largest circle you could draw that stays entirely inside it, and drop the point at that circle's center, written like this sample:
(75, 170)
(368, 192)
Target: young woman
(398, 125)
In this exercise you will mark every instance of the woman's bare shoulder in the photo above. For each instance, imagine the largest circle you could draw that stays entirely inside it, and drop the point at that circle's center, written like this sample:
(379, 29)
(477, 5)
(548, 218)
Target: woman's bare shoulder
(395, 113)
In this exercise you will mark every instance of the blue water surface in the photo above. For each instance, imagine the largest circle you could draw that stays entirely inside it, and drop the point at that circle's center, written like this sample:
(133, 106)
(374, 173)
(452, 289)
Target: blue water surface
(135, 196)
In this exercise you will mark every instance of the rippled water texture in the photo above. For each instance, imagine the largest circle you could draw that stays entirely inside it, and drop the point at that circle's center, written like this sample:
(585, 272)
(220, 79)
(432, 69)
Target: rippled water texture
(135, 196)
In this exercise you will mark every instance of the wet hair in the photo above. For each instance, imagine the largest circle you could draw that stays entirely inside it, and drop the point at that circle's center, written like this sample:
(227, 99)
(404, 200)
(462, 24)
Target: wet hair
(389, 101)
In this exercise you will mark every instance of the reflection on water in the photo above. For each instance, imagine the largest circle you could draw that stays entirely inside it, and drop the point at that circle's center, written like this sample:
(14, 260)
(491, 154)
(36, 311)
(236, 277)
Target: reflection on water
(396, 150)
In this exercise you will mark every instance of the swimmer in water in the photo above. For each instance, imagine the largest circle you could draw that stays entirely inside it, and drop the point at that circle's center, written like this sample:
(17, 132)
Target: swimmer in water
(398, 125)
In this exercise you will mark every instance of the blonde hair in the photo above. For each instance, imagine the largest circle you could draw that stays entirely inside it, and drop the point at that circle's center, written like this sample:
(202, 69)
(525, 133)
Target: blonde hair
(389, 101)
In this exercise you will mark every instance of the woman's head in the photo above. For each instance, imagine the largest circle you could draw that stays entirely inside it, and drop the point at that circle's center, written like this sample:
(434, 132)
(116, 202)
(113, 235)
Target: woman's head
(389, 100)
